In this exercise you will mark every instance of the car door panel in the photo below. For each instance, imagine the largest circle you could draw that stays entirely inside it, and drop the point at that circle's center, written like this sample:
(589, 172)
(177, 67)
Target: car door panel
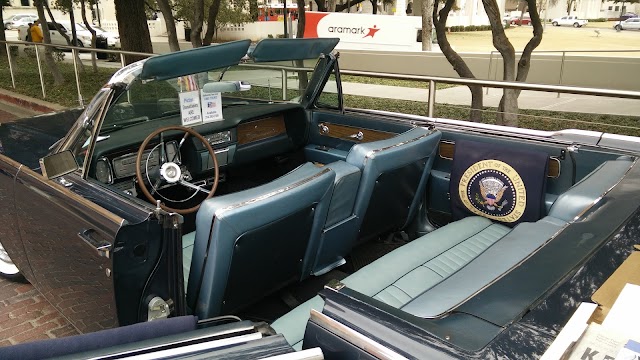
(68, 242)
(333, 134)
(9, 232)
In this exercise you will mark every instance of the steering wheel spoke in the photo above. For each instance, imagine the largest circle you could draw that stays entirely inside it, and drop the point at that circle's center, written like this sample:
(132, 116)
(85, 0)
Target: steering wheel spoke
(170, 172)
(193, 186)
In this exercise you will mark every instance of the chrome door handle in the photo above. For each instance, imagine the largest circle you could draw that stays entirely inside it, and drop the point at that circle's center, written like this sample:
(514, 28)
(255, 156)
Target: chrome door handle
(359, 136)
(93, 239)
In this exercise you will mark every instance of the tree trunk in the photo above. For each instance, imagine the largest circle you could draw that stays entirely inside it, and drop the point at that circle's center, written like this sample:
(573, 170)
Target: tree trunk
(347, 6)
(83, 11)
(58, 79)
(525, 59)
(132, 22)
(440, 21)
(508, 110)
(214, 9)
(427, 24)
(196, 24)
(331, 5)
(522, 6)
(170, 23)
(303, 78)
(253, 9)
(3, 49)
(374, 4)
(322, 5)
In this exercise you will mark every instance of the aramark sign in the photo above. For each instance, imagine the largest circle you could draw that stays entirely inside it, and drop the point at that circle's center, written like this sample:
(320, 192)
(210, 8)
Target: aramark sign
(364, 31)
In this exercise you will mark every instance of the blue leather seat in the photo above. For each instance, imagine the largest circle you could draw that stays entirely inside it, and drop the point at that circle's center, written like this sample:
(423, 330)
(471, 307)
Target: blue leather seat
(394, 177)
(250, 243)
(341, 225)
(441, 270)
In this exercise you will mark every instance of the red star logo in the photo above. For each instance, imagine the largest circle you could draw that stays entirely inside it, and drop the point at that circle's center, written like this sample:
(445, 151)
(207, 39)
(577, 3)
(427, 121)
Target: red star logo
(372, 31)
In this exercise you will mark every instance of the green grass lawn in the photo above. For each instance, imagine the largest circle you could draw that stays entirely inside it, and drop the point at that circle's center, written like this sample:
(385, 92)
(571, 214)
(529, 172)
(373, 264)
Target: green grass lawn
(28, 83)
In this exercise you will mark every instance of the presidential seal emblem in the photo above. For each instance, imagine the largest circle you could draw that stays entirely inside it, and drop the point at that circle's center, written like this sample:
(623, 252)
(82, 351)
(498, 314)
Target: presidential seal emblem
(493, 189)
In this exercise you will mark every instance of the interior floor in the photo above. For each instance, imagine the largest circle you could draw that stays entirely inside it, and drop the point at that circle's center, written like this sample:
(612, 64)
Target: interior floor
(276, 305)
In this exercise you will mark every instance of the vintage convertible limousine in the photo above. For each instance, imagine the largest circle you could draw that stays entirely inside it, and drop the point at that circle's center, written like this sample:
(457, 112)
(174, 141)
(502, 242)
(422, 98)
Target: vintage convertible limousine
(234, 186)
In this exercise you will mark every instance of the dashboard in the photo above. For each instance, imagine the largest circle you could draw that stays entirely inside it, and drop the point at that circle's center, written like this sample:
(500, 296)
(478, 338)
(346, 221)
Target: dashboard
(243, 137)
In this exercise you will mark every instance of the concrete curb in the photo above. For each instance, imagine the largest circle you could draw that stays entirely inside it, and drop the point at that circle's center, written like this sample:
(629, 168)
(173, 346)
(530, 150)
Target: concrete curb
(29, 102)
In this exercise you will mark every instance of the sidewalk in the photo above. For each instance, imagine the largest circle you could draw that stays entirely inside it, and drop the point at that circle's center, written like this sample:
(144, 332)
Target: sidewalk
(535, 100)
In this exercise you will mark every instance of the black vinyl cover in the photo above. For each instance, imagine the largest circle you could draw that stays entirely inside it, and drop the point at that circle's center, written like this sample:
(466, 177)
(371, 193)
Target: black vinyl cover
(504, 185)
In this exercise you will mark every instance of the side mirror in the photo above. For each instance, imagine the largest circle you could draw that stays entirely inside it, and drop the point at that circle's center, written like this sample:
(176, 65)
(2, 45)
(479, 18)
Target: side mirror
(226, 86)
(59, 164)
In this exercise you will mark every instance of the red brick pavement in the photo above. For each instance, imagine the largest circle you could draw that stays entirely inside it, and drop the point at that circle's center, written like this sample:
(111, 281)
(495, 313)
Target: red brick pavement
(25, 315)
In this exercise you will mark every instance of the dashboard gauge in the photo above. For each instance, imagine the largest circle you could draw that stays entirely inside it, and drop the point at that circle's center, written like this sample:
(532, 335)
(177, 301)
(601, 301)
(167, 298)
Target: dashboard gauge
(103, 171)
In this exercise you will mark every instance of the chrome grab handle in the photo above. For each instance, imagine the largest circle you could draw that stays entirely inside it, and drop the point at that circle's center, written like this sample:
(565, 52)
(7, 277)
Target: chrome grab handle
(359, 136)
(92, 238)
(324, 129)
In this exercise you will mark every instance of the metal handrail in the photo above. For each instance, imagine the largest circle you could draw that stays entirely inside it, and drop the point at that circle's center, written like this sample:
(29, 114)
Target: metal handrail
(432, 80)
(74, 51)
(562, 61)
(504, 84)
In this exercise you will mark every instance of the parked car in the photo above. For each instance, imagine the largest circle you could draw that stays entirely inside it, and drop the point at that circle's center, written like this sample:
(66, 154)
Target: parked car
(628, 15)
(629, 24)
(18, 20)
(524, 21)
(569, 21)
(83, 36)
(113, 38)
(192, 184)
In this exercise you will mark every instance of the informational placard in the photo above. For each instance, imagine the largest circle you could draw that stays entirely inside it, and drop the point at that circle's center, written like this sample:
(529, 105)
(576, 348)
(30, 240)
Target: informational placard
(190, 108)
(211, 107)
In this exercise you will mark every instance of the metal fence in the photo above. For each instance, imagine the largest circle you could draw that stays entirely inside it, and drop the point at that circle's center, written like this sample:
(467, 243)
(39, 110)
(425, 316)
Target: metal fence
(432, 80)
(562, 60)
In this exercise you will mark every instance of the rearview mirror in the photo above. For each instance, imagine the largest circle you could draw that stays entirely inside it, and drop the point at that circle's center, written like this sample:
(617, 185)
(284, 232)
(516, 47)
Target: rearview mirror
(59, 164)
(226, 86)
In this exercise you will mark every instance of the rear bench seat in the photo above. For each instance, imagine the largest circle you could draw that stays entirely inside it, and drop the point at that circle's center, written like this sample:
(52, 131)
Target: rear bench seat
(440, 270)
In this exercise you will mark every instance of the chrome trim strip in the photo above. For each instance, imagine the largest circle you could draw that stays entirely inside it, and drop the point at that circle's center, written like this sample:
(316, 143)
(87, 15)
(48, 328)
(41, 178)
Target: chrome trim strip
(527, 133)
(371, 153)
(448, 142)
(80, 200)
(182, 350)
(371, 347)
(308, 354)
(555, 158)
(271, 194)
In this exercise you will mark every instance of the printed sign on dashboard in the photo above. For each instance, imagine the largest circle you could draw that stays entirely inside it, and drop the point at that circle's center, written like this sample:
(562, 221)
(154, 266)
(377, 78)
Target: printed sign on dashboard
(211, 107)
(190, 111)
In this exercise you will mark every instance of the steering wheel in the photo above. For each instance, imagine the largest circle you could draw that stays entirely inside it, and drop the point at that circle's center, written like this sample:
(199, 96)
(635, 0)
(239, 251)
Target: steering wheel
(169, 171)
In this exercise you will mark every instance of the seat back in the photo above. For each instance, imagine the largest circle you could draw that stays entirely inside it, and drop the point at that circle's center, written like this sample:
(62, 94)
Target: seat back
(254, 242)
(341, 226)
(394, 176)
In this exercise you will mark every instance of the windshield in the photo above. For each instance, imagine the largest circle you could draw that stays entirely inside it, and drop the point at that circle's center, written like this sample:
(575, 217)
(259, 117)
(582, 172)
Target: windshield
(261, 83)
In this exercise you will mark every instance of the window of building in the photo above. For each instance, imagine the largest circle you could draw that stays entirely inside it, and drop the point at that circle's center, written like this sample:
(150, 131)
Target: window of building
(617, 8)
(610, 7)
(24, 2)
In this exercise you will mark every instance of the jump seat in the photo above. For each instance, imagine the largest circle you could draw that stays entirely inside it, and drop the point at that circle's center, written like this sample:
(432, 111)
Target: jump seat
(253, 242)
(438, 271)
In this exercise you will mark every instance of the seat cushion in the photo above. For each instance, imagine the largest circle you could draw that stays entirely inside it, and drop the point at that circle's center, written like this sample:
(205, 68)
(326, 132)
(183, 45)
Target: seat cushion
(408, 271)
